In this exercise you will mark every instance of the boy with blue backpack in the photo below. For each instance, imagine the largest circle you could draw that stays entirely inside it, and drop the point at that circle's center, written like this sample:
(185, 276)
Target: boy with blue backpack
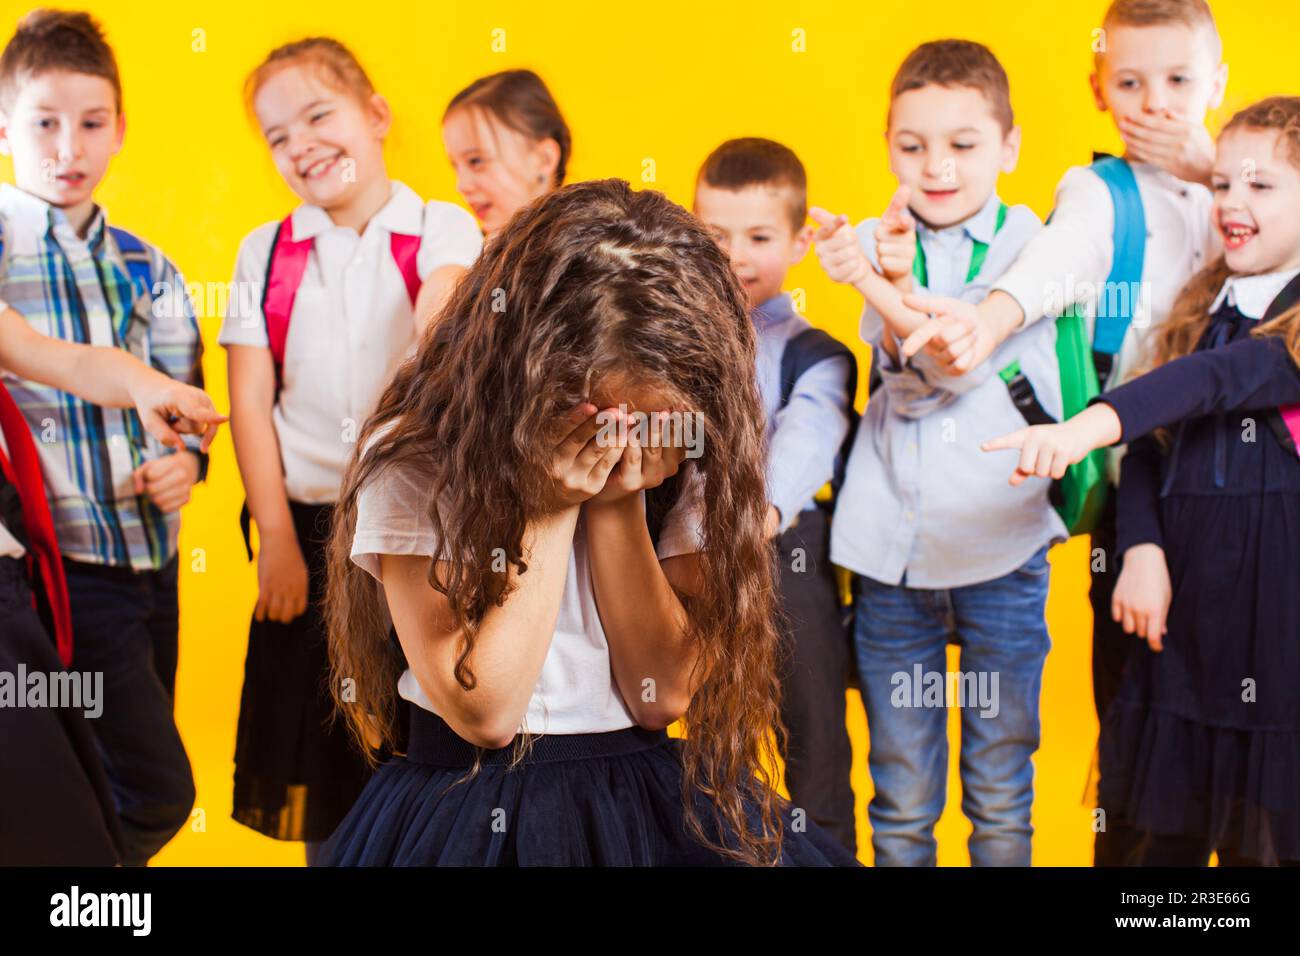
(942, 548)
(1125, 236)
(752, 196)
(115, 494)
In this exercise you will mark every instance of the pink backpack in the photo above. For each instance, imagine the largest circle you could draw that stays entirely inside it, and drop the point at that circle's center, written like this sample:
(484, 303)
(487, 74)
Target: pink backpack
(284, 271)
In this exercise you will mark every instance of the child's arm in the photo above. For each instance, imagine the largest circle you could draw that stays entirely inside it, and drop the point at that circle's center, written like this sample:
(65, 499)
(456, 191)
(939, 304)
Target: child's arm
(433, 295)
(514, 637)
(644, 619)
(916, 391)
(1143, 591)
(1073, 250)
(111, 377)
(450, 243)
(281, 569)
(1251, 373)
(809, 431)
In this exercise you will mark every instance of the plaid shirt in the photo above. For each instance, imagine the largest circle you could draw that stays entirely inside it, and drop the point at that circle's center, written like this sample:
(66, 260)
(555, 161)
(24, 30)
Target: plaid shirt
(80, 290)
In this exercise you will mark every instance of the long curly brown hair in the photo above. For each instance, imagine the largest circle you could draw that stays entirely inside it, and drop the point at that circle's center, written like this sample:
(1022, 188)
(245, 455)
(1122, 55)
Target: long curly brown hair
(592, 279)
(1189, 317)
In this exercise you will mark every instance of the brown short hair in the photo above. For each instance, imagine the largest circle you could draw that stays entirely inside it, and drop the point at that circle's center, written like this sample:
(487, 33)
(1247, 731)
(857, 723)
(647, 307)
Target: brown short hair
(740, 163)
(1150, 13)
(335, 61)
(49, 40)
(957, 63)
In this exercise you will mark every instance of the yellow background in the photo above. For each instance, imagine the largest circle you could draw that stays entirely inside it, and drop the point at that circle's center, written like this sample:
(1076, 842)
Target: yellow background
(665, 81)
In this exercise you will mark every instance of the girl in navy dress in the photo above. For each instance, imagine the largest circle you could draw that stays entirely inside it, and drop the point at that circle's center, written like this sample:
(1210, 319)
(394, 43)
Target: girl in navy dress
(1204, 736)
(601, 569)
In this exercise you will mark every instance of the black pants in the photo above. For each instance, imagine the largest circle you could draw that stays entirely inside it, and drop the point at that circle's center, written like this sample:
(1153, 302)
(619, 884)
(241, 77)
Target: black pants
(814, 678)
(125, 625)
(56, 808)
(1119, 844)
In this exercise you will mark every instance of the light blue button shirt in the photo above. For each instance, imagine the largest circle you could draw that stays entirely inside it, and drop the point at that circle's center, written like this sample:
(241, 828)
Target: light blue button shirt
(804, 437)
(922, 505)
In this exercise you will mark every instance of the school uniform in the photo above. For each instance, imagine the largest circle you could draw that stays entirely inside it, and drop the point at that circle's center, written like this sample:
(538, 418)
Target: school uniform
(1201, 746)
(56, 807)
(804, 435)
(946, 551)
(119, 549)
(352, 324)
(1073, 254)
(596, 789)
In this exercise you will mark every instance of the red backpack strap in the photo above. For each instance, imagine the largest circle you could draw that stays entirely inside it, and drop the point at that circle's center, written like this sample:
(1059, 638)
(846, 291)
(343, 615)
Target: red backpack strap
(406, 249)
(284, 271)
(22, 468)
(1291, 419)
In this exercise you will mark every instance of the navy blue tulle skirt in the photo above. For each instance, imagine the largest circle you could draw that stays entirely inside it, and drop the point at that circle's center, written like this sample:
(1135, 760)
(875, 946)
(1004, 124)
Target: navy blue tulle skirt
(608, 799)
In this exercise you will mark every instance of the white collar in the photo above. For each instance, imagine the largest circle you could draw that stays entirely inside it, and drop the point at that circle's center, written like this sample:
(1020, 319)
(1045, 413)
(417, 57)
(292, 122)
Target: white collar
(1253, 294)
(36, 214)
(403, 213)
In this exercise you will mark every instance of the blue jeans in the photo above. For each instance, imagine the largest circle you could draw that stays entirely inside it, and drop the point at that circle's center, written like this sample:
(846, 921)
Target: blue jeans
(901, 635)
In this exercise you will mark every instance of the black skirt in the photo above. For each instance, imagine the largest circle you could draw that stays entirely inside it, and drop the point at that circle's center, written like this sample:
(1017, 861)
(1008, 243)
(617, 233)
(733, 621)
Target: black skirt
(296, 771)
(603, 799)
(56, 808)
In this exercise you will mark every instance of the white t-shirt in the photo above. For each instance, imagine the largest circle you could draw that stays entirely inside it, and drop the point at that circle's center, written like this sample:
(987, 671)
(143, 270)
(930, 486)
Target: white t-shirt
(352, 325)
(575, 692)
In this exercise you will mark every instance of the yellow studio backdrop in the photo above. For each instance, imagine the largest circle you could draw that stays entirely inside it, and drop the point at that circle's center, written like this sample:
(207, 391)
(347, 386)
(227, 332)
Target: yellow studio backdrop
(648, 90)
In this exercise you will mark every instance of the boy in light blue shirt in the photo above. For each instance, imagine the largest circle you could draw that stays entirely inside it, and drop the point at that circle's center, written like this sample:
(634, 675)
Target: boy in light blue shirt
(751, 194)
(944, 549)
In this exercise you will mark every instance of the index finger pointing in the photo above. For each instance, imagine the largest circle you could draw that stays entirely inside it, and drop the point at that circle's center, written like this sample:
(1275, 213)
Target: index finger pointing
(1015, 439)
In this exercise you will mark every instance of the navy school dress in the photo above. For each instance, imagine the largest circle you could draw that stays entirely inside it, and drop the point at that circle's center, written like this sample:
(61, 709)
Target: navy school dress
(1203, 739)
(296, 771)
(600, 799)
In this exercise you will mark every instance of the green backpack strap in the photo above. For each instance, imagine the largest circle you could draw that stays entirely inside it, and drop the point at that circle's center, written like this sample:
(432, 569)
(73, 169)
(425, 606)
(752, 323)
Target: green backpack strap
(1085, 364)
(978, 253)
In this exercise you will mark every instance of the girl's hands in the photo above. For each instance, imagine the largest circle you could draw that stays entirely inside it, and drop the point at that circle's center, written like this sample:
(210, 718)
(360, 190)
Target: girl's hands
(1046, 451)
(582, 462)
(1142, 594)
(281, 579)
(642, 466)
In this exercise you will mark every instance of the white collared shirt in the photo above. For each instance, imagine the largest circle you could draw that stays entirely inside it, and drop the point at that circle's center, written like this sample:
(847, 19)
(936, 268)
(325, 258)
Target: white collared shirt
(1073, 252)
(1251, 295)
(351, 327)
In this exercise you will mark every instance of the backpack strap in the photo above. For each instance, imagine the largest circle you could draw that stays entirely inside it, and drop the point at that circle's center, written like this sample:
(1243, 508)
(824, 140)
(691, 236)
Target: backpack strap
(139, 264)
(1285, 421)
(406, 250)
(285, 268)
(811, 347)
(978, 253)
(1127, 261)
